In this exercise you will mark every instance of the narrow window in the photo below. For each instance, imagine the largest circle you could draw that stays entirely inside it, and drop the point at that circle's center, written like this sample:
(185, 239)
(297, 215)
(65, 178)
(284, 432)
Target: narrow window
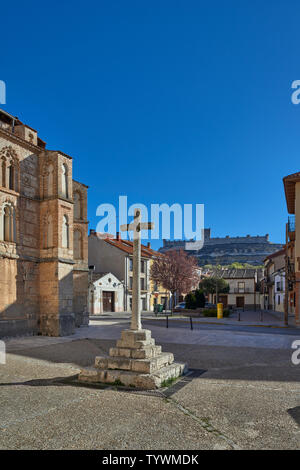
(8, 224)
(49, 191)
(3, 172)
(65, 232)
(64, 181)
(11, 176)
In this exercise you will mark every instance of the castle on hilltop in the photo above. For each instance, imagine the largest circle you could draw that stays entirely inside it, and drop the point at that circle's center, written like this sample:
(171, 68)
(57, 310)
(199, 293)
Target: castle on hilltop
(227, 250)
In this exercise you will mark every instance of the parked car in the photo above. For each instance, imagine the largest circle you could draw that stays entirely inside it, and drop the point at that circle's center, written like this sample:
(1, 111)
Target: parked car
(210, 305)
(180, 305)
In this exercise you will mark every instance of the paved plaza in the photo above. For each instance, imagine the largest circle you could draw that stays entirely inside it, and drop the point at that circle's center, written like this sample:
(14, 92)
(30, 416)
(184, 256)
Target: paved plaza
(244, 392)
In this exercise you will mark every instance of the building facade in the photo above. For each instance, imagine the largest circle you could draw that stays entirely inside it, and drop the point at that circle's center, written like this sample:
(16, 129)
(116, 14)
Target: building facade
(115, 255)
(227, 250)
(43, 236)
(243, 287)
(273, 282)
(159, 295)
(292, 290)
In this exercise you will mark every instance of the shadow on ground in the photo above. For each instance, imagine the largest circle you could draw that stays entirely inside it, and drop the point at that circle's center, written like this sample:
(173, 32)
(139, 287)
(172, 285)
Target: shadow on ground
(236, 363)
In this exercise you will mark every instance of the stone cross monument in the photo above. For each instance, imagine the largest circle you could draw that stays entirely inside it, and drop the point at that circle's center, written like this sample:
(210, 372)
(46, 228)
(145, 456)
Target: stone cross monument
(137, 226)
(136, 361)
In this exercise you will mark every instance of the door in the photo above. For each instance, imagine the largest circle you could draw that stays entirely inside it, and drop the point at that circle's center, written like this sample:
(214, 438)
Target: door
(240, 302)
(108, 301)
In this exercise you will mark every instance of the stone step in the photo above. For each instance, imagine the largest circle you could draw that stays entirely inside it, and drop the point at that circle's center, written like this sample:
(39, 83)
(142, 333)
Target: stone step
(153, 364)
(174, 370)
(146, 366)
(143, 353)
(133, 379)
(135, 344)
(135, 335)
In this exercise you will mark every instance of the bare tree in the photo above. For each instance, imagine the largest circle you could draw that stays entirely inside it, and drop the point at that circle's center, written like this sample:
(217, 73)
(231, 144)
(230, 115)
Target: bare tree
(175, 271)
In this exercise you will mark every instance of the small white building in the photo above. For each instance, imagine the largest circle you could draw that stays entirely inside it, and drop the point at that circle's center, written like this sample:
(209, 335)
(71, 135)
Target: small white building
(106, 294)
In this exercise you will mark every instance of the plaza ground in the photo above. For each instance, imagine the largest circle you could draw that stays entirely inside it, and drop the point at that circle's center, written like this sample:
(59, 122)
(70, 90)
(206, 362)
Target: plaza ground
(244, 394)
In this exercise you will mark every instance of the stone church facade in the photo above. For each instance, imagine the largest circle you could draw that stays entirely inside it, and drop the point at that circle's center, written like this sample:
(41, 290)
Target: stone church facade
(43, 236)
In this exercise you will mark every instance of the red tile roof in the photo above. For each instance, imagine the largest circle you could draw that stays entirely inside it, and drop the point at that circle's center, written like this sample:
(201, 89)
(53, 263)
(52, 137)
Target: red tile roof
(277, 253)
(127, 247)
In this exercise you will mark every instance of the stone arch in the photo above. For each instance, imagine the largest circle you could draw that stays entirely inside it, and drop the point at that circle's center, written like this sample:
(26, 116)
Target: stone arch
(8, 222)
(65, 232)
(48, 179)
(64, 180)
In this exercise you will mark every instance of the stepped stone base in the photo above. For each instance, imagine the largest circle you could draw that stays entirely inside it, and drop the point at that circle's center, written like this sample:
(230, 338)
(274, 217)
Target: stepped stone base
(135, 362)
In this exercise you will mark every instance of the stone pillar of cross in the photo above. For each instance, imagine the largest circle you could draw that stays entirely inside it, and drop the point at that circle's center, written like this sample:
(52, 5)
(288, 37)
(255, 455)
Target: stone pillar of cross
(136, 226)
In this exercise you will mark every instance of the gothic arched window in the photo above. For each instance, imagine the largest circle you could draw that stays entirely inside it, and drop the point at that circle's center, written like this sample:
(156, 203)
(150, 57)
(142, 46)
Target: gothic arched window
(48, 180)
(3, 172)
(64, 181)
(77, 244)
(11, 176)
(65, 232)
(8, 223)
(9, 169)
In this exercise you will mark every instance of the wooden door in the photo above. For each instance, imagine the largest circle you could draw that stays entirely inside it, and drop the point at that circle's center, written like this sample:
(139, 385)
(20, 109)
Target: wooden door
(108, 301)
(240, 302)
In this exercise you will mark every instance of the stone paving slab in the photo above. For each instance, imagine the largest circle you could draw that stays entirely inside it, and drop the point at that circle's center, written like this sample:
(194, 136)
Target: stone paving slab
(112, 329)
(243, 400)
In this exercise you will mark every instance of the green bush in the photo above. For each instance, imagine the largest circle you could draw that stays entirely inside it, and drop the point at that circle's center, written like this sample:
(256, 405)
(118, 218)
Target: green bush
(212, 312)
(200, 298)
(195, 299)
(190, 301)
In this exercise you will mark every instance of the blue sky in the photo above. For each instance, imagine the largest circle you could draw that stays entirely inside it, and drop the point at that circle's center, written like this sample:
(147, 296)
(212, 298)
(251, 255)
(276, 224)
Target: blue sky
(164, 101)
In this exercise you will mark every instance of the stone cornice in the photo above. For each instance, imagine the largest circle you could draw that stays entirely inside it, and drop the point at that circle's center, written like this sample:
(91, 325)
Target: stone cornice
(22, 142)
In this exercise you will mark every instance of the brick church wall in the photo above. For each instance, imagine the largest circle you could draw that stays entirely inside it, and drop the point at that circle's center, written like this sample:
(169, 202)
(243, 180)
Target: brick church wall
(37, 275)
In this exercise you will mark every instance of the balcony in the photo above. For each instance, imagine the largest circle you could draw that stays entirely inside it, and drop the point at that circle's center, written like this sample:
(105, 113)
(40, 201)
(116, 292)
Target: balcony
(240, 290)
(291, 227)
